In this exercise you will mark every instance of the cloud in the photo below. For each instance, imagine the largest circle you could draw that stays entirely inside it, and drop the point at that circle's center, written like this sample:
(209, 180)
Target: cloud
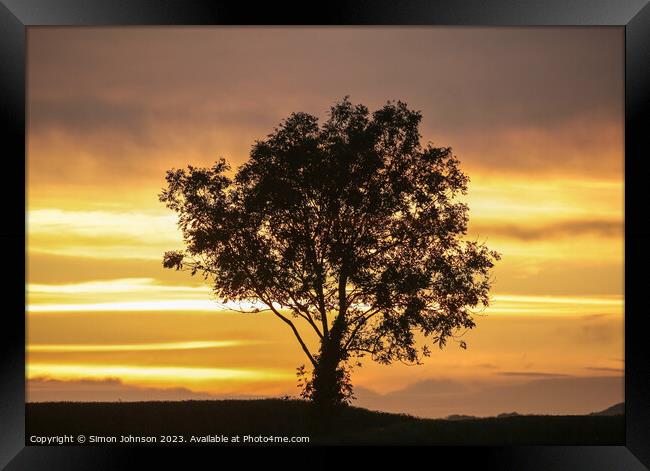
(555, 305)
(534, 75)
(561, 277)
(436, 386)
(140, 226)
(102, 234)
(599, 332)
(564, 229)
(90, 115)
(79, 269)
(111, 389)
(487, 365)
(581, 147)
(135, 102)
(139, 121)
(613, 370)
(537, 374)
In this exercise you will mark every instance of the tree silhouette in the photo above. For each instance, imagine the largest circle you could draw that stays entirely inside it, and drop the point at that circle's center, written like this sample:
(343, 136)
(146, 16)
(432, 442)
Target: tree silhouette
(349, 230)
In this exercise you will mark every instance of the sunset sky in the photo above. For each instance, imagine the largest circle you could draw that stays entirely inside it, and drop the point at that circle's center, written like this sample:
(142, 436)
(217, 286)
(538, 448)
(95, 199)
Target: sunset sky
(535, 116)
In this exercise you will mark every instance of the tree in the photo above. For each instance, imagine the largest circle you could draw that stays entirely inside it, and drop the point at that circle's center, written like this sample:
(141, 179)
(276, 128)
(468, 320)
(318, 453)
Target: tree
(350, 230)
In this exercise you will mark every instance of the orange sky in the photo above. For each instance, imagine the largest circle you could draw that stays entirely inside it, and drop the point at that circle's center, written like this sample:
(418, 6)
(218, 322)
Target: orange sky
(534, 114)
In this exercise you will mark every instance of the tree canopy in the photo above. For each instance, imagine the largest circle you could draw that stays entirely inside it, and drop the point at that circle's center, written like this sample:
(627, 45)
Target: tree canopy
(350, 229)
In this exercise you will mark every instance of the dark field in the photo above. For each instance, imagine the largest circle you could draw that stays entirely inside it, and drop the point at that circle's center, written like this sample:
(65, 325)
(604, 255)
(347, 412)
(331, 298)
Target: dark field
(277, 417)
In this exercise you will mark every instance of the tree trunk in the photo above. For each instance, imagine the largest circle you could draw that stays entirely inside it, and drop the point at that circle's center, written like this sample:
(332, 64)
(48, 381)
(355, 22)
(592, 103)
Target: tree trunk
(329, 379)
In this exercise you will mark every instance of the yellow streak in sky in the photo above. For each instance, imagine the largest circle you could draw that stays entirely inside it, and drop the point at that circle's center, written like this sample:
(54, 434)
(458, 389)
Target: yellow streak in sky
(189, 305)
(50, 348)
(144, 373)
(140, 225)
(525, 200)
(121, 285)
(500, 304)
(612, 301)
(148, 286)
(172, 305)
(509, 304)
(102, 234)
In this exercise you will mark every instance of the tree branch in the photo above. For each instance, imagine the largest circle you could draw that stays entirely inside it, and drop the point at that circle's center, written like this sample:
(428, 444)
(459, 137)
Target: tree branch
(279, 315)
(295, 331)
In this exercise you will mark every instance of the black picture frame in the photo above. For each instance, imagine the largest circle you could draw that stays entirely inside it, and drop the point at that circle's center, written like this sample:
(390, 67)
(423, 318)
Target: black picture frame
(17, 15)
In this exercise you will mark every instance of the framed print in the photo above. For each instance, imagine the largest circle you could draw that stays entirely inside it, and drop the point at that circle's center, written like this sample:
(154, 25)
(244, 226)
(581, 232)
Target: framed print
(377, 224)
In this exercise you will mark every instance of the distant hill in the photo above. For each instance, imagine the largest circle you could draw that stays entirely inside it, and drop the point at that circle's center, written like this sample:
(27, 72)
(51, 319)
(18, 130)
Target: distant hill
(461, 417)
(508, 414)
(616, 409)
(473, 417)
(278, 417)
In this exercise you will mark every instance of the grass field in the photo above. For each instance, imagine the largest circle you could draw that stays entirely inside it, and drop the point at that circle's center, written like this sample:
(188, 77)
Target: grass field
(277, 417)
